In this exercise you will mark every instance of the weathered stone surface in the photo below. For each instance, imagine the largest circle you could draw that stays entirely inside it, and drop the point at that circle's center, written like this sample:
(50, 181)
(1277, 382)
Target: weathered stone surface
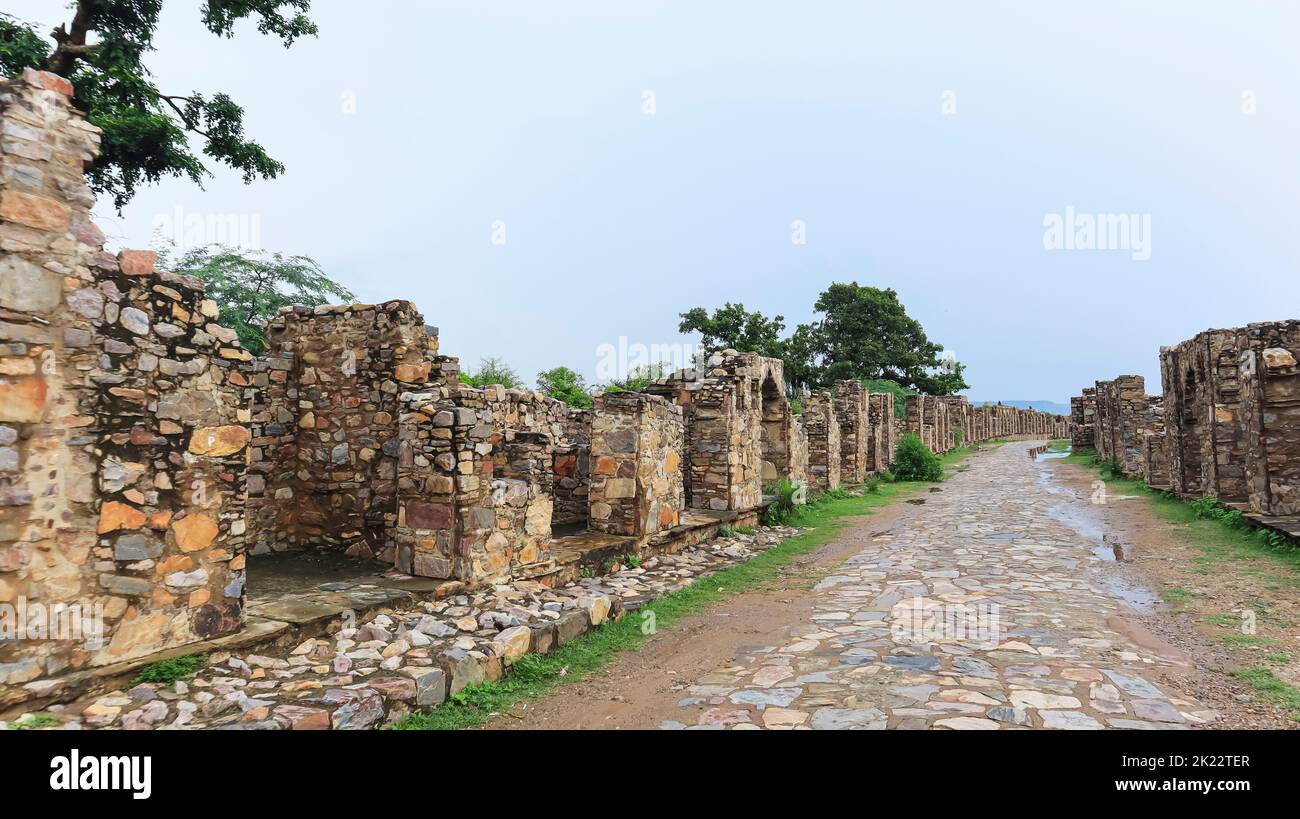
(27, 288)
(39, 212)
(195, 532)
(219, 441)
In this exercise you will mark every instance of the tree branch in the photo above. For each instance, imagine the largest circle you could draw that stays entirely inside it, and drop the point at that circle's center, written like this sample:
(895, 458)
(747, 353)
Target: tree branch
(185, 120)
(72, 44)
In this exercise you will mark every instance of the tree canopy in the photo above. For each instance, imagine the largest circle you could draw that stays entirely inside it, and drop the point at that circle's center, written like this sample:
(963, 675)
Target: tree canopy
(733, 327)
(563, 384)
(146, 130)
(251, 286)
(492, 370)
(861, 333)
(865, 332)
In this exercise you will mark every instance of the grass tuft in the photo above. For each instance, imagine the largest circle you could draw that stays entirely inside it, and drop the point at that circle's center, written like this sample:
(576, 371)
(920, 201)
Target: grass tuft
(169, 671)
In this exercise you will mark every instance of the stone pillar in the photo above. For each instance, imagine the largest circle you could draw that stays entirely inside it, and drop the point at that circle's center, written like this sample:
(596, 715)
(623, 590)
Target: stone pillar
(476, 483)
(823, 442)
(1084, 416)
(851, 401)
(636, 447)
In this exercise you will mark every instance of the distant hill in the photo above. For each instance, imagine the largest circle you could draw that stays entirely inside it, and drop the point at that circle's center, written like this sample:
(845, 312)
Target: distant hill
(1045, 406)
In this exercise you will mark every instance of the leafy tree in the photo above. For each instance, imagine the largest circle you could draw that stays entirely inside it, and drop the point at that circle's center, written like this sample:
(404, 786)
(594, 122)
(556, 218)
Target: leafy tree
(638, 379)
(564, 385)
(733, 327)
(251, 286)
(492, 371)
(798, 358)
(865, 332)
(145, 129)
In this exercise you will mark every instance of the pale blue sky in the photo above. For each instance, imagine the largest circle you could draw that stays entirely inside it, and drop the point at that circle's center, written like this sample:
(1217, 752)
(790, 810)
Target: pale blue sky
(531, 113)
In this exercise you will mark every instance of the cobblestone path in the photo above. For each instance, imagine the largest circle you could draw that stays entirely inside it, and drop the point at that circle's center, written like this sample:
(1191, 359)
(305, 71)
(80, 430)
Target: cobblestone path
(979, 610)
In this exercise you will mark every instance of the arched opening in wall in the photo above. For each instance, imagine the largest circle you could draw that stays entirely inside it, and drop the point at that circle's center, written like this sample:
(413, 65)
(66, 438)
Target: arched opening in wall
(571, 471)
(776, 432)
(1193, 423)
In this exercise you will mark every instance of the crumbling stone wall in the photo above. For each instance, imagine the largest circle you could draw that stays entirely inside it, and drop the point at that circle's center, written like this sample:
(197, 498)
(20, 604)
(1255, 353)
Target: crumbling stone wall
(823, 442)
(1123, 411)
(1083, 410)
(915, 421)
(1207, 432)
(798, 451)
(880, 431)
(573, 470)
(475, 482)
(325, 421)
(1271, 412)
(122, 435)
(776, 436)
(959, 419)
(723, 407)
(850, 403)
(637, 486)
(1227, 424)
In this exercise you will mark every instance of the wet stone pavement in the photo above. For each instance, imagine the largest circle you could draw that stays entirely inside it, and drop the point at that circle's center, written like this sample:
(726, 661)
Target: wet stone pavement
(979, 610)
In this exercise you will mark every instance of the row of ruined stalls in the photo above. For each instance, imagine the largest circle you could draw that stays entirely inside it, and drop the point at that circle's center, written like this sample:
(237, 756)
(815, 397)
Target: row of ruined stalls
(1226, 425)
(145, 457)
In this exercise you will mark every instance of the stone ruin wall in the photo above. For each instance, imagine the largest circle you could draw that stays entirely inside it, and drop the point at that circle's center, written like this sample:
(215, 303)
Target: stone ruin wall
(323, 471)
(475, 482)
(1226, 425)
(880, 432)
(823, 442)
(573, 470)
(637, 487)
(851, 415)
(1083, 412)
(1271, 412)
(123, 435)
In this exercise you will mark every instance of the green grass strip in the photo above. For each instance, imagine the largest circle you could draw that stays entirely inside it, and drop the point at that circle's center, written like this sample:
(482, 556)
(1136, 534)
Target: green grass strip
(1270, 688)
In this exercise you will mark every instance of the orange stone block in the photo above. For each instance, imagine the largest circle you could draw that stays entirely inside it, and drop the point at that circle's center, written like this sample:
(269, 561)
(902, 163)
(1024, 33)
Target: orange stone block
(217, 442)
(34, 211)
(23, 400)
(195, 531)
(137, 262)
(115, 515)
(175, 563)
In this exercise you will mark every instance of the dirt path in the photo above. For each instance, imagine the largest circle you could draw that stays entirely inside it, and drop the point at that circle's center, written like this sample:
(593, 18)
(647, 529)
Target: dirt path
(1199, 593)
(838, 641)
(640, 687)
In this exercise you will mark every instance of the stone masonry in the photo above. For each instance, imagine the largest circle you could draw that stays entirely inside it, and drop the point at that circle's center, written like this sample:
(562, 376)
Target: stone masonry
(1226, 426)
(636, 486)
(123, 438)
(823, 442)
(851, 402)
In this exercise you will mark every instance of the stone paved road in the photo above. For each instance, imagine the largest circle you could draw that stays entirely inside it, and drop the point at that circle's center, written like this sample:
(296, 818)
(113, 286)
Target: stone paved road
(978, 610)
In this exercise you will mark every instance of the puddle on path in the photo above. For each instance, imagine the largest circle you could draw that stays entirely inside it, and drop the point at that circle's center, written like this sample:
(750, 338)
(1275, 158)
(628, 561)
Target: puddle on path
(1106, 548)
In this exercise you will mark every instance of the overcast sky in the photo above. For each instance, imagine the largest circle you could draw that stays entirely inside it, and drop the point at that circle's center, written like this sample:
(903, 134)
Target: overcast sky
(921, 145)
